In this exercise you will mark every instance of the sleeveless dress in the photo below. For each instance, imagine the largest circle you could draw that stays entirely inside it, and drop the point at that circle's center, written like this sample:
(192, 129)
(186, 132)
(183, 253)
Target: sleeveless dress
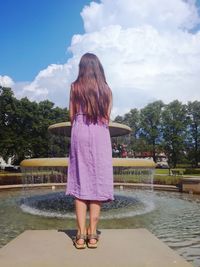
(90, 170)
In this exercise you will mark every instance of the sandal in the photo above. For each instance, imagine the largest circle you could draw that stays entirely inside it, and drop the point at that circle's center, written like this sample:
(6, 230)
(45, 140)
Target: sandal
(92, 236)
(77, 237)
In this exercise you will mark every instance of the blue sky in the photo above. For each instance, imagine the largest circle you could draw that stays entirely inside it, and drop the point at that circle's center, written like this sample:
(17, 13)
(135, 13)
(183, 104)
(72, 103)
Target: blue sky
(35, 34)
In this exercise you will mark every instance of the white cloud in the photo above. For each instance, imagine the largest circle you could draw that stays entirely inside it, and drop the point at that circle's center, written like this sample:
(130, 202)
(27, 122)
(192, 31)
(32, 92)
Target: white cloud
(6, 81)
(147, 49)
(51, 83)
(160, 14)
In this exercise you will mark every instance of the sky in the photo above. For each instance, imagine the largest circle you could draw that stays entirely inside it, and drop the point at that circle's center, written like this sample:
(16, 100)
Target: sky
(150, 50)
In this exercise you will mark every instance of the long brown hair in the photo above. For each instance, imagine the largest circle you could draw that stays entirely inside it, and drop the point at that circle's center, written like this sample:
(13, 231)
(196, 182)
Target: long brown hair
(90, 90)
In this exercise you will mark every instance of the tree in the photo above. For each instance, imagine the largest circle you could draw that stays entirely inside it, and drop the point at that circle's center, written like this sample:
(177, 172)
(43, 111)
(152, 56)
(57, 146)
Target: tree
(193, 143)
(24, 127)
(8, 105)
(174, 127)
(150, 123)
(130, 119)
(119, 119)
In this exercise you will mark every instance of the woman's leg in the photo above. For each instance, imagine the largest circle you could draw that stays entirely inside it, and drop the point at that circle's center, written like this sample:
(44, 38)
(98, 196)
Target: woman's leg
(81, 211)
(95, 208)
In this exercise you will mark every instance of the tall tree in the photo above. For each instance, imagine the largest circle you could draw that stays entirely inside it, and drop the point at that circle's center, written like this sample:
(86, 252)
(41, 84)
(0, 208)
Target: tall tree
(8, 105)
(132, 119)
(24, 127)
(150, 123)
(174, 127)
(193, 143)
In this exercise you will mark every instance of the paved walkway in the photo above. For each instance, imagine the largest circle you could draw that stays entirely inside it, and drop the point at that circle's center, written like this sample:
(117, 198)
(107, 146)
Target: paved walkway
(117, 248)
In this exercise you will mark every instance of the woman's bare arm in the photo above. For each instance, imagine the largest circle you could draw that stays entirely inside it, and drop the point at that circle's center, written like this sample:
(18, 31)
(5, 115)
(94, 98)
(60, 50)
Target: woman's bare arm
(110, 107)
(71, 109)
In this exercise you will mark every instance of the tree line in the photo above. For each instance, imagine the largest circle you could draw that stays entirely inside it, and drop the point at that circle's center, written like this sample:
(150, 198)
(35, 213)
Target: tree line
(172, 128)
(23, 128)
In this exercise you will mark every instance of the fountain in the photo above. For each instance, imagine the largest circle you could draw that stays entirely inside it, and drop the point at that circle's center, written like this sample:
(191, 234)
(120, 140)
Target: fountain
(52, 172)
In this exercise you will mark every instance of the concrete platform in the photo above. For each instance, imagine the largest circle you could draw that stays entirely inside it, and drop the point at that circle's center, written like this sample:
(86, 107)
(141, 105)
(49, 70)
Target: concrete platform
(117, 248)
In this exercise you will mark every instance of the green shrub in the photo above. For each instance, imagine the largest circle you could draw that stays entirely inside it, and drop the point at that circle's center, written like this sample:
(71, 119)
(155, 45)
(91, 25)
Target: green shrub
(192, 171)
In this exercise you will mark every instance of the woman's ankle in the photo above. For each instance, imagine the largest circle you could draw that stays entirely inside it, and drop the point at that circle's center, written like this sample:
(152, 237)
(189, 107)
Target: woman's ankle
(89, 231)
(81, 232)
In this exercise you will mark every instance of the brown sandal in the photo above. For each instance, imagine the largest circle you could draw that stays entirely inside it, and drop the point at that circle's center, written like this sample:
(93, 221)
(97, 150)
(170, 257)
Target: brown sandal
(92, 236)
(77, 237)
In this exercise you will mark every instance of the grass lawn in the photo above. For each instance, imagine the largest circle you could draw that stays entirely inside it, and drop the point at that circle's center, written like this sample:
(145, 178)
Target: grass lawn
(161, 171)
(166, 171)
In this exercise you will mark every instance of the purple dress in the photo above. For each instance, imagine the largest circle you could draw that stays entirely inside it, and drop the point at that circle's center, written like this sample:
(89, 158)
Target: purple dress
(90, 170)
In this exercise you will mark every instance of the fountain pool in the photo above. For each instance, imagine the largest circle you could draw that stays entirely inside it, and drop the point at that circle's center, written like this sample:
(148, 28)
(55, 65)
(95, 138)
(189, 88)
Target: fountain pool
(172, 217)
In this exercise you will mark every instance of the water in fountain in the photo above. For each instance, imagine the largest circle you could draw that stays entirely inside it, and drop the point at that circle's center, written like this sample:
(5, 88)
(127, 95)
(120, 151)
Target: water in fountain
(56, 204)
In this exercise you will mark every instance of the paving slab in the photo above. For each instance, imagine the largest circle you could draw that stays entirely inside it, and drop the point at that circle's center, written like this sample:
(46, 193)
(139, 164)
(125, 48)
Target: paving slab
(116, 248)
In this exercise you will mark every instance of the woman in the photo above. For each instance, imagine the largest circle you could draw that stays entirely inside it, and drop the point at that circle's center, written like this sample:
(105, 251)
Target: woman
(90, 172)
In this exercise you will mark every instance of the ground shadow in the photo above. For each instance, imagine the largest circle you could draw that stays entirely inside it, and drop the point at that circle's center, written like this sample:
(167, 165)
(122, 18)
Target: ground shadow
(71, 233)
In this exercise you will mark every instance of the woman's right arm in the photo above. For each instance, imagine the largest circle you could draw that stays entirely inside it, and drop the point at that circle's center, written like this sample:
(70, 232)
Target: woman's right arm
(71, 108)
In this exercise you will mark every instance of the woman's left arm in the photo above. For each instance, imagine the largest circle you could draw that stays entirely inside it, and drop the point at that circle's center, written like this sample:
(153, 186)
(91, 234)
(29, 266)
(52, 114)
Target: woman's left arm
(110, 106)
